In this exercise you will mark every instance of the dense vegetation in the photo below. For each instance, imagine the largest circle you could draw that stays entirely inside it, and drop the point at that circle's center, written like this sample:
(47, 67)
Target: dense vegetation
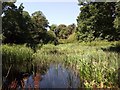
(99, 20)
(94, 62)
(16, 57)
(91, 48)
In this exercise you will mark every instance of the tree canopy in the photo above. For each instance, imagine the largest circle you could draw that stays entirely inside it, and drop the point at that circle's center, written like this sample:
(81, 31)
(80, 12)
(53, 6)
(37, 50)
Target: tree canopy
(96, 20)
(19, 27)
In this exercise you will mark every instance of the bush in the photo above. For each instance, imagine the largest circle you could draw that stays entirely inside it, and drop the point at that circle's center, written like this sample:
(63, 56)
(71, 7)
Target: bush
(72, 38)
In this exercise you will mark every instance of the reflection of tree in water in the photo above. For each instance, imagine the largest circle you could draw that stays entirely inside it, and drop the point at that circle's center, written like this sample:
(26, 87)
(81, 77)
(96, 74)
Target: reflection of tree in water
(17, 78)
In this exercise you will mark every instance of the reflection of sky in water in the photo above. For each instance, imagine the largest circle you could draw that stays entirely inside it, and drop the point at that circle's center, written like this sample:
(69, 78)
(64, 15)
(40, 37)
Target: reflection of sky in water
(57, 77)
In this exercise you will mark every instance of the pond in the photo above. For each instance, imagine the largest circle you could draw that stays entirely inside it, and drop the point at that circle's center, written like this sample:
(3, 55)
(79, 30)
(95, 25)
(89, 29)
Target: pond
(55, 77)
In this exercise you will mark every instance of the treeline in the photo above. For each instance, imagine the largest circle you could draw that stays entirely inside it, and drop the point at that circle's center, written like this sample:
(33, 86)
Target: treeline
(19, 27)
(97, 20)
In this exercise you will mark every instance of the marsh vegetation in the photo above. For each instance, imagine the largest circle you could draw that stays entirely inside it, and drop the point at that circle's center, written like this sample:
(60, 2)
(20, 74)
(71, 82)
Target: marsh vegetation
(86, 55)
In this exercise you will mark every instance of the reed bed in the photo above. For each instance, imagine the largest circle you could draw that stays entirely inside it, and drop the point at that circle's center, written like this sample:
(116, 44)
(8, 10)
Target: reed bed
(19, 56)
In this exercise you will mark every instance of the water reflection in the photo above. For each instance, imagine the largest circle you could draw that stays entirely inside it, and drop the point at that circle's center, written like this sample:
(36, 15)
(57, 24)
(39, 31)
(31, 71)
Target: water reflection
(56, 77)
(59, 77)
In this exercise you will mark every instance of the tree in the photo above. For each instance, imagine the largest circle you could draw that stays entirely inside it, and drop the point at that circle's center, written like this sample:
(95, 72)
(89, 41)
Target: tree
(117, 21)
(40, 24)
(96, 21)
(53, 27)
(85, 22)
(71, 29)
(61, 31)
(12, 23)
(19, 27)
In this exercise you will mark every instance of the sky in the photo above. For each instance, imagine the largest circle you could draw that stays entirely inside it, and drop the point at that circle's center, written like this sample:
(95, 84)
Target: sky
(56, 12)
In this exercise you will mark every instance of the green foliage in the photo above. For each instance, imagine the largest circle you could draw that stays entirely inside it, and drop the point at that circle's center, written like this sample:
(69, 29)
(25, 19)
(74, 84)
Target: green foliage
(53, 27)
(71, 39)
(10, 22)
(18, 56)
(88, 60)
(71, 29)
(117, 20)
(19, 27)
(16, 24)
(62, 31)
(2, 37)
(96, 21)
(99, 43)
(93, 64)
(62, 41)
(50, 37)
(40, 24)
(47, 55)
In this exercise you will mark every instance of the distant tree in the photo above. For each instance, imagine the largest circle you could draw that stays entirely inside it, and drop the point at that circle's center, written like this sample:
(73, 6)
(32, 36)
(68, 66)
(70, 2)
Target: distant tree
(61, 31)
(50, 37)
(53, 27)
(71, 29)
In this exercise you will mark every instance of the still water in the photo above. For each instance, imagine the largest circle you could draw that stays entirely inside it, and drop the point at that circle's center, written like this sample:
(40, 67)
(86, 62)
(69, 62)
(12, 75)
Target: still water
(56, 77)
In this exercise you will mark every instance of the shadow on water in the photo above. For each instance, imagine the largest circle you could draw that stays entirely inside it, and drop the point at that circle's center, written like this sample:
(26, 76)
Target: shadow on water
(56, 76)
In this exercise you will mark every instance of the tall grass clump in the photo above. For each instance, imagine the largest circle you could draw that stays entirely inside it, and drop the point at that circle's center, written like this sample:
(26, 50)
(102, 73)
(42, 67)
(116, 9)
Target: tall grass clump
(17, 56)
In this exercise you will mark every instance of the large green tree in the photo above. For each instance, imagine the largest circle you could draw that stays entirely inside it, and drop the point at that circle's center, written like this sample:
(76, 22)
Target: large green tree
(96, 21)
(19, 27)
(10, 21)
(16, 24)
